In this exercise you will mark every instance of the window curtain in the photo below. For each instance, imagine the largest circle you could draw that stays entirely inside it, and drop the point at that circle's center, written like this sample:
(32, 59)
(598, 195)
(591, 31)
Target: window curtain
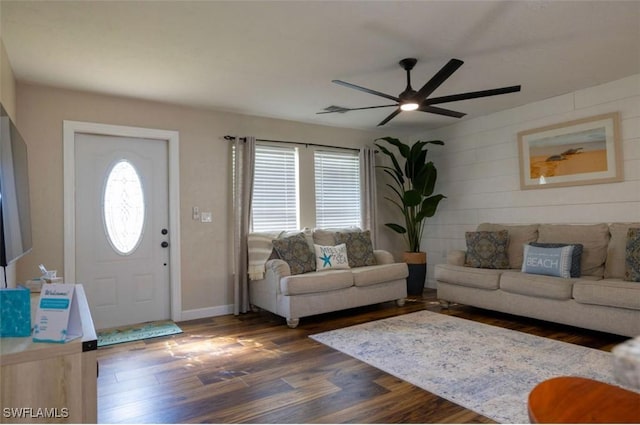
(369, 196)
(244, 158)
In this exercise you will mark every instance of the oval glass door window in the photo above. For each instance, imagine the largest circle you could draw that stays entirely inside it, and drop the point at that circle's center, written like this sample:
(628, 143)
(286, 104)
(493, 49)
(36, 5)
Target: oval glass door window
(123, 207)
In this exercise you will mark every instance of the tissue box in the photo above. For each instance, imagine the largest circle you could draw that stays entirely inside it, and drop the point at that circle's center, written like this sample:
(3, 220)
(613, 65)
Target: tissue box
(15, 312)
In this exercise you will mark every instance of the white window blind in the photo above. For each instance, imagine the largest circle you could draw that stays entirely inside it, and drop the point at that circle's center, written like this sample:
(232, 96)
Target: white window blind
(274, 204)
(337, 176)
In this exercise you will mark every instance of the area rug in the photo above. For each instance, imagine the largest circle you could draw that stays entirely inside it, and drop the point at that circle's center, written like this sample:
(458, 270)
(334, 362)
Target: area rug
(137, 332)
(484, 368)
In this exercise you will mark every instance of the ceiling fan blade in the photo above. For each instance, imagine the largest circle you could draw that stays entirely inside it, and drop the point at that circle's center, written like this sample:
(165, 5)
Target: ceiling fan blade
(343, 110)
(440, 111)
(366, 90)
(471, 95)
(390, 117)
(440, 77)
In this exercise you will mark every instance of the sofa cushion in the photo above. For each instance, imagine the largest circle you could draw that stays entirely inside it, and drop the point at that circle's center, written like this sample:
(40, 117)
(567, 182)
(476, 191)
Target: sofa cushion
(608, 292)
(359, 248)
(487, 250)
(331, 257)
(306, 231)
(593, 237)
(295, 251)
(327, 237)
(576, 255)
(536, 285)
(616, 251)
(310, 283)
(548, 261)
(632, 271)
(468, 276)
(519, 234)
(371, 275)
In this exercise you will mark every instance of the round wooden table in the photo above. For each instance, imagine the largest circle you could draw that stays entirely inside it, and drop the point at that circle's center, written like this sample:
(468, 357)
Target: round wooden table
(580, 400)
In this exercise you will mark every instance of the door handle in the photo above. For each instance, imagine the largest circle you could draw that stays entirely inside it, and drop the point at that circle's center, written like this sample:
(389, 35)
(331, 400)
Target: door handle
(164, 244)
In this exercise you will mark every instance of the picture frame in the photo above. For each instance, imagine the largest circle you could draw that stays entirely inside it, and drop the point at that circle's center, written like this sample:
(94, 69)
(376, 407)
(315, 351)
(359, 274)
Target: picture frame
(573, 153)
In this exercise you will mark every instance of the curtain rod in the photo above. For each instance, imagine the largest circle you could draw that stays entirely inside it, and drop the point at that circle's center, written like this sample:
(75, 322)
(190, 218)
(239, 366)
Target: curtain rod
(227, 137)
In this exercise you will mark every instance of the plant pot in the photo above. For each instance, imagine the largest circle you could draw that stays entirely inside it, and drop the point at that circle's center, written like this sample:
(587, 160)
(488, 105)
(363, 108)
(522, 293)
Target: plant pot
(417, 263)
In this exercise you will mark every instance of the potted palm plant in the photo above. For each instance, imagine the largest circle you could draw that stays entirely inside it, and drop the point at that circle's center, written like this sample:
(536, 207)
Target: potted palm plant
(413, 182)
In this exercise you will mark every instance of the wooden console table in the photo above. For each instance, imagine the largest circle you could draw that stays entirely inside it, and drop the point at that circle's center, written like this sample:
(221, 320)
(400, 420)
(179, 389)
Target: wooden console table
(48, 382)
(581, 400)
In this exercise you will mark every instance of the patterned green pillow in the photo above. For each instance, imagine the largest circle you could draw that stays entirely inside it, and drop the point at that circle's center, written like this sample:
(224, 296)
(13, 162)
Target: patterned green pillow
(359, 248)
(295, 251)
(487, 250)
(632, 260)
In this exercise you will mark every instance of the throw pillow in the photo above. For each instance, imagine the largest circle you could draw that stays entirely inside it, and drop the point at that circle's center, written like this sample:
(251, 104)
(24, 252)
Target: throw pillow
(359, 248)
(295, 251)
(548, 261)
(576, 257)
(331, 257)
(632, 258)
(487, 250)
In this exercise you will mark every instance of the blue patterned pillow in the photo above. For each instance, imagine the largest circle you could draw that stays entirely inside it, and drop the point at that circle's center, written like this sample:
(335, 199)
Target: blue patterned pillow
(295, 251)
(359, 248)
(548, 261)
(487, 250)
(632, 259)
(576, 257)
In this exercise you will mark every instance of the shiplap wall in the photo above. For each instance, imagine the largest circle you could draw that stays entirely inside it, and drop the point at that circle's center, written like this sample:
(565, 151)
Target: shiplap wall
(478, 170)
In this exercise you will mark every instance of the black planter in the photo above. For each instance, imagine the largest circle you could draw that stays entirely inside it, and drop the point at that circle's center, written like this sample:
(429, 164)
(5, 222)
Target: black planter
(416, 278)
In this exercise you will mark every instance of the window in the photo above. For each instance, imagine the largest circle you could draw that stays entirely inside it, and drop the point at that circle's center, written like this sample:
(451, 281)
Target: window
(275, 189)
(285, 179)
(337, 180)
(123, 207)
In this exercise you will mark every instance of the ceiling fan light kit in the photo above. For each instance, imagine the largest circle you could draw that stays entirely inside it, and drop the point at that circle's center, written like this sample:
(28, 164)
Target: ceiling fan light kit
(409, 106)
(411, 100)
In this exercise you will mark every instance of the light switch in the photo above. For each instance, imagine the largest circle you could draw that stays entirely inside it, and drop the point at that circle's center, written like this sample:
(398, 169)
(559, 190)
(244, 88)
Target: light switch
(205, 217)
(195, 213)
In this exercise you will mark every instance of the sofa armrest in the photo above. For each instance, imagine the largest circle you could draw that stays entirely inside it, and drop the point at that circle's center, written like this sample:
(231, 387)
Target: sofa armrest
(277, 268)
(266, 290)
(456, 257)
(383, 257)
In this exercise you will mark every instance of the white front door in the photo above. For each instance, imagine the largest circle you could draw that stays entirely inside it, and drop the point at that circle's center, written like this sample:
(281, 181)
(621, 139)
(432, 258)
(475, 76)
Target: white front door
(121, 228)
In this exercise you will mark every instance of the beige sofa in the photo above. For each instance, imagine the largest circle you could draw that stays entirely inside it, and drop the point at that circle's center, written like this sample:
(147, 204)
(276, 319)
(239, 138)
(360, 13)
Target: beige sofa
(316, 292)
(600, 299)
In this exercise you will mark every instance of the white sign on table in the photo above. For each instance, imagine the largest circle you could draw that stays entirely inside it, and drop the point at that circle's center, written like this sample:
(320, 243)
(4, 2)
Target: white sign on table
(58, 315)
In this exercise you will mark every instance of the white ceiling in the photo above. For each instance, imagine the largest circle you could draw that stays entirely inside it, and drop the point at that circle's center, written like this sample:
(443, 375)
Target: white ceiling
(277, 59)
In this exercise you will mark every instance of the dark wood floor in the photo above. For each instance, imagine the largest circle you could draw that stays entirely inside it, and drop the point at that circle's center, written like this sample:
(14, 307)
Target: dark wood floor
(252, 368)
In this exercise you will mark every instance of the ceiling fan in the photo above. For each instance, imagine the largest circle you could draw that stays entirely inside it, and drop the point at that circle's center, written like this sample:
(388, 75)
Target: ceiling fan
(411, 100)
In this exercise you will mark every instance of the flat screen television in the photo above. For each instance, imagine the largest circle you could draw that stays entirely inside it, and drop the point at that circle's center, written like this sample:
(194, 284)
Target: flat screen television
(15, 211)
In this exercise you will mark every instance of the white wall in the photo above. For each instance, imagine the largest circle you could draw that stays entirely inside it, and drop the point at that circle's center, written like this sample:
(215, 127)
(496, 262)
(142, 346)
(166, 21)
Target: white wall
(478, 170)
(7, 84)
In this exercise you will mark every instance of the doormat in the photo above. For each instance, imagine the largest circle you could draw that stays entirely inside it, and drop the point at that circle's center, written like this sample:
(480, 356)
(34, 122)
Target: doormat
(483, 368)
(137, 332)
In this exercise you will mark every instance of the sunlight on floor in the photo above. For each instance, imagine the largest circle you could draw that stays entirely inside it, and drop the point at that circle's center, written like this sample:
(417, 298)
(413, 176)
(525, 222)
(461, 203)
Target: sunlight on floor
(199, 351)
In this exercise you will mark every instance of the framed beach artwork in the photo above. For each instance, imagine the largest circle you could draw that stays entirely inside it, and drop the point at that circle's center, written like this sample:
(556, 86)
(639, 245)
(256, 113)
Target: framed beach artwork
(585, 151)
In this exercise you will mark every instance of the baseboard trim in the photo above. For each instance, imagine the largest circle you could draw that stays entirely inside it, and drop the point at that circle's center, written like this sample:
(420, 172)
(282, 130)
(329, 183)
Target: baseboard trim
(201, 313)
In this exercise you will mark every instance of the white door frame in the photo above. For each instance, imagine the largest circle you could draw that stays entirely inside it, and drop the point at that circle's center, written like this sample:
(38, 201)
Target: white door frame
(70, 129)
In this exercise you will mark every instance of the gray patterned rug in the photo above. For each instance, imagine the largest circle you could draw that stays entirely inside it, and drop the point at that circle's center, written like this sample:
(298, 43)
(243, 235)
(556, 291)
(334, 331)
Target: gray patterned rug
(484, 368)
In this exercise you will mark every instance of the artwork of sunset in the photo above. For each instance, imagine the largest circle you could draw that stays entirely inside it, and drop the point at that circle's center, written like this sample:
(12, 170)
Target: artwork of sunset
(568, 154)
